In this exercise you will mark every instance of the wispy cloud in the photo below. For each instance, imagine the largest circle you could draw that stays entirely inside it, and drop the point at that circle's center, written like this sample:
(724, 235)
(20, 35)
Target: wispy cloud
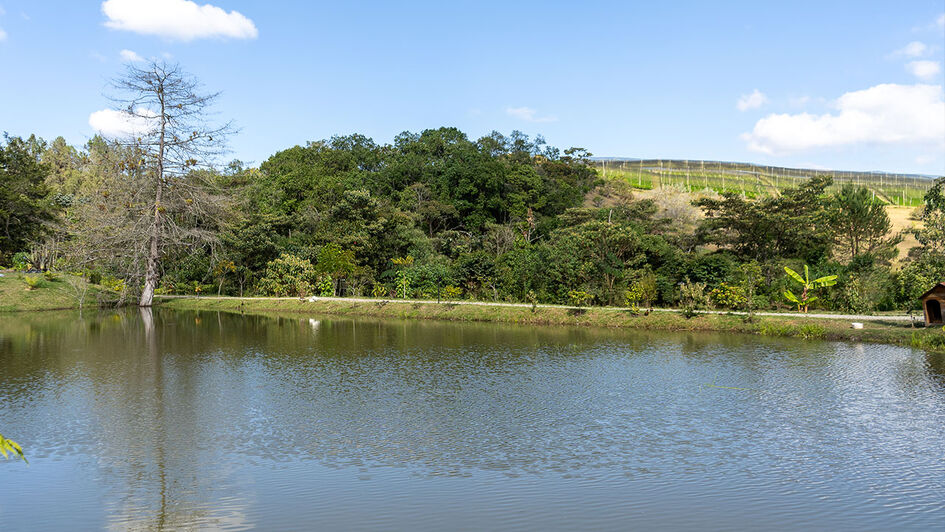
(130, 56)
(751, 101)
(528, 114)
(883, 114)
(177, 19)
(913, 49)
(924, 70)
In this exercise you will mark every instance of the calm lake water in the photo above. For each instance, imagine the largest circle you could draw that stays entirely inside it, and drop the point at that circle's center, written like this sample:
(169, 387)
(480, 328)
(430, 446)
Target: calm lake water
(183, 420)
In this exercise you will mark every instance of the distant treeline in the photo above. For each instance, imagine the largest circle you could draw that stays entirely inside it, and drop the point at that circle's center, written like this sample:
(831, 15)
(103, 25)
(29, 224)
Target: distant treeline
(439, 215)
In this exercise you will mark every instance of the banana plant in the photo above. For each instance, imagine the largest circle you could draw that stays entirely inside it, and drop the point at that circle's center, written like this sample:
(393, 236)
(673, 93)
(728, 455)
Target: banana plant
(10, 447)
(805, 299)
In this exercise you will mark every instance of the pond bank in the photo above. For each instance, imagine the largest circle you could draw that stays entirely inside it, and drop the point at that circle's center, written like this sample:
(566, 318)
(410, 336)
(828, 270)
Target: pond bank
(57, 292)
(891, 330)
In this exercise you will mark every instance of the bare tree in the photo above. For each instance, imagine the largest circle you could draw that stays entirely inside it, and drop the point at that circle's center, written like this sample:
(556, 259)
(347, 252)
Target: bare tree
(168, 116)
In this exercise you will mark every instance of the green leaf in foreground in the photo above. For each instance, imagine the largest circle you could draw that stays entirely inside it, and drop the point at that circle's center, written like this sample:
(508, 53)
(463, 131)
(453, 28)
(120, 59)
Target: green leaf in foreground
(10, 447)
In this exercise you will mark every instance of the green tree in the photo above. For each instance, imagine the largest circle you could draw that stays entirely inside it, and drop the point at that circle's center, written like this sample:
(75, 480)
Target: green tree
(288, 275)
(860, 225)
(24, 210)
(792, 225)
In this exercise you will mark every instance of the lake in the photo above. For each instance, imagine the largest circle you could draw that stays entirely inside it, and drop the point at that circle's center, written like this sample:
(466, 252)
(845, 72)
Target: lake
(183, 420)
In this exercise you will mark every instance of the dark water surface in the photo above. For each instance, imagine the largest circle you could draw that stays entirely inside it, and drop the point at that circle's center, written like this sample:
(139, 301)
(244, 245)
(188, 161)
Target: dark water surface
(186, 420)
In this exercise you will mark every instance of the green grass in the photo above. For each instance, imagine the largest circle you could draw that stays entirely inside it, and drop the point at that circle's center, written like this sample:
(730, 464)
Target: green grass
(17, 295)
(754, 181)
(889, 332)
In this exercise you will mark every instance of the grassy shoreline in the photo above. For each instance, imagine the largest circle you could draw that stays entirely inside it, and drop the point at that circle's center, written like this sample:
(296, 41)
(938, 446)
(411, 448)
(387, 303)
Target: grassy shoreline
(61, 292)
(887, 332)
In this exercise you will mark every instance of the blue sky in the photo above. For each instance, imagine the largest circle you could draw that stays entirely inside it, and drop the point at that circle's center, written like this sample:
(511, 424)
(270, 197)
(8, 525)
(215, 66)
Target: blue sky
(846, 85)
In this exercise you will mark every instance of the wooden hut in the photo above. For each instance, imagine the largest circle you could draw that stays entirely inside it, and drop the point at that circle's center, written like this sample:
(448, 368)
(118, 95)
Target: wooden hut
(933, 302)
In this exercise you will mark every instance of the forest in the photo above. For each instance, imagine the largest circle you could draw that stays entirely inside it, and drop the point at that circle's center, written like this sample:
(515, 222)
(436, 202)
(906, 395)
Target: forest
(439, 215)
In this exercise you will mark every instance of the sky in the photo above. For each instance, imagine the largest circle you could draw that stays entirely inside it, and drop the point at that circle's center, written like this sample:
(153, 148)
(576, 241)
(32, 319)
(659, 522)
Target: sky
(854, 85)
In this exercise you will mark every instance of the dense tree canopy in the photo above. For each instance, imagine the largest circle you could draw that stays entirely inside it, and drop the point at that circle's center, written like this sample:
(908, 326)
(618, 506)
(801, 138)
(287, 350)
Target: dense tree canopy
(436, 214)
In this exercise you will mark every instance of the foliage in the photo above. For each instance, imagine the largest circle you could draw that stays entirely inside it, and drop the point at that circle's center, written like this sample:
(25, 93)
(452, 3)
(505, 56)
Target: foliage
(579, 298)
(50, 276)
(727, 296)
(288, 275)
(324, 286)
(805, 298)
(693, 296)
(794, 224)
(33, 281)
(403, 274)
(10, 447)
(860, 224)
(25, 209)
(451, 292)
(21, 261)
(750, 276)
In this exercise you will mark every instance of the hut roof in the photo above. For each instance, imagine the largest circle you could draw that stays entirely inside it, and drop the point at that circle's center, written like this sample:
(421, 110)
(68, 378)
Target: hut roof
(937, 287)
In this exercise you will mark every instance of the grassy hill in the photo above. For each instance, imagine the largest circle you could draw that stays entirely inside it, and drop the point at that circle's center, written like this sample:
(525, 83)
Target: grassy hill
(904, 190)
(62, 292)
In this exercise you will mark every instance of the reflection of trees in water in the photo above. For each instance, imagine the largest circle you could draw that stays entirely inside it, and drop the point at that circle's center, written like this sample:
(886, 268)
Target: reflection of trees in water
(176, 402)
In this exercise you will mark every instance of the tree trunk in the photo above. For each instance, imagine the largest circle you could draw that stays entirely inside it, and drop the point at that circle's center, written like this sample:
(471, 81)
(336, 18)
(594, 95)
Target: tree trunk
(154, 250)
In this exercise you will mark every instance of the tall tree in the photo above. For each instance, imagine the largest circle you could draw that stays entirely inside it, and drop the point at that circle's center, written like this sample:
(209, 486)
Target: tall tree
(861, 225)
(24, 211)
(169, 115)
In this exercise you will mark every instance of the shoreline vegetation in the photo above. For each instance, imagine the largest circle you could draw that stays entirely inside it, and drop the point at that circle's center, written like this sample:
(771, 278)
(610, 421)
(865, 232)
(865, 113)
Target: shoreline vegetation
(439, 214)
(892, 329)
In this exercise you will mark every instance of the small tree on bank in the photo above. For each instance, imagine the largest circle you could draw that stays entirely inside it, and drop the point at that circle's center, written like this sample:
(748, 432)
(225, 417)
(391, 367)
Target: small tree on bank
(167, 115)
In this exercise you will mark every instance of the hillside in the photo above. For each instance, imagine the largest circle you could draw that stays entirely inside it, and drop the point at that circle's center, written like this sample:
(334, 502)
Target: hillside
(905, 190)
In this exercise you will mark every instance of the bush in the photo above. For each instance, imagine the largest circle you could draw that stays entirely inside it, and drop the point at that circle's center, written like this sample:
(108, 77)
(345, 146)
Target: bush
(452, 292)
(95, 278)
(325, 286)
(579, 298)
(21, 261)
(727, 296)
(288, 275)
(114, 284)
(33, 282)
(693, 297)
(50, 276)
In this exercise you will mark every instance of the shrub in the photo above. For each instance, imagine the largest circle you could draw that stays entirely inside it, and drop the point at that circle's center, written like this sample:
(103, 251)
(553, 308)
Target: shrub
(33, 282)
(114, 284)
(50, 276)
(379, 290)
(21, 261)
(288, 275)
(726, 296)
(452, 292)
(95, 278)
(579, 298)
(693, 297)
(325, 286)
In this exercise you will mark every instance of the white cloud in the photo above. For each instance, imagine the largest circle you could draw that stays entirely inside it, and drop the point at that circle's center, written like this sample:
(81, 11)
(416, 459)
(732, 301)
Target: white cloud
(940, 21)
(112, 123)
(913, 49)
(177, 19)
(130, 55)
(883, 114)
(528, 114)
(799, 101)
(923, 69)
(751, 101)
(3, 35)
